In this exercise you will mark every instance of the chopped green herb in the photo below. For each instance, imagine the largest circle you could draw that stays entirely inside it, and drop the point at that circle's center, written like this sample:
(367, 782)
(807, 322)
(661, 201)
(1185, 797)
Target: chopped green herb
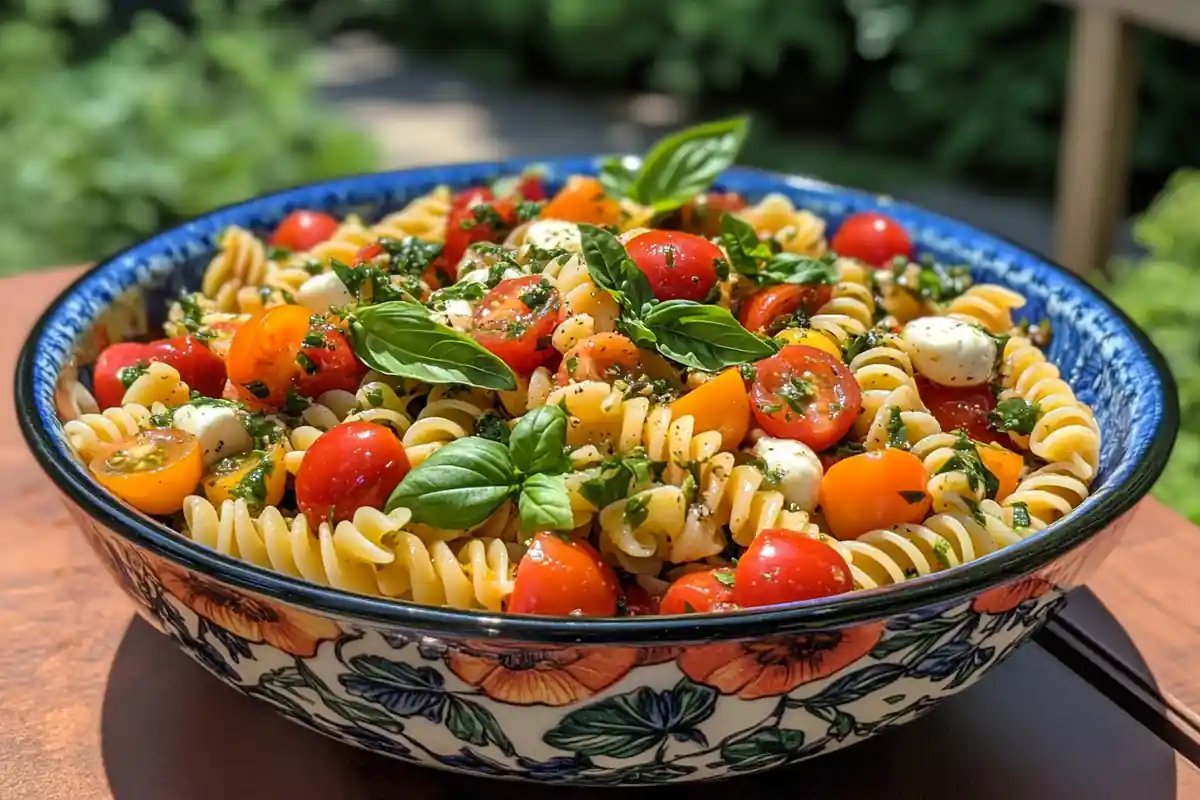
(797, 393)
(688, 608)
(264, 430)
(253, 485)
(637, 508)
(941, 551)
(861, 343)
(316, 335)
(258, 389)
(491, 425)
(748, 371)
(617, 475)
(724, 576)
(529, 209)
(537, 295)
(897, 431)
(312, 267)
(572, 365)
(470, 291)
(966, 460)
(295, 404)
(374, 397)
(306, 363)
(164, 419)
(1020, 516)
(912, 497)
(277, 253)
(127, 375)
(1015, 415)
(485, 214)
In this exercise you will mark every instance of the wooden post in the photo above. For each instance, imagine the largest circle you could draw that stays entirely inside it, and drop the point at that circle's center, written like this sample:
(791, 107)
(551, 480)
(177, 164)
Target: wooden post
(1093, 166)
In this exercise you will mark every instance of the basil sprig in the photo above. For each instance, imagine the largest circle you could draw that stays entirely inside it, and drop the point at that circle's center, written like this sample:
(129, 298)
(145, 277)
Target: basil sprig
(461, 484)
(693, 334)
(678, 167)
(399, 338)
(751, 257)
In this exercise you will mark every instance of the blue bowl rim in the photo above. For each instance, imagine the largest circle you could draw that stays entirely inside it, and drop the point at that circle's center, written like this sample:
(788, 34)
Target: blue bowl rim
(935, 590)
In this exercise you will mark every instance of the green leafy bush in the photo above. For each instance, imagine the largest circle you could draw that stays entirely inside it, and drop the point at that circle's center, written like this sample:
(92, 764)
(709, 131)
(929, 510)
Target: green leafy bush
(104, 140)
(1160, 291)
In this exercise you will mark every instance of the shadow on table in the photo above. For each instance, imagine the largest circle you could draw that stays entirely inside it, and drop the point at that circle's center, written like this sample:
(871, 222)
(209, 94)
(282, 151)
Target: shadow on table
(1032, 729)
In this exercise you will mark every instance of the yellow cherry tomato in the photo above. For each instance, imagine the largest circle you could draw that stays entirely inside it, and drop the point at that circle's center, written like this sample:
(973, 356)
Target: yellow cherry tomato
(809, 338)
(721, 404)
(152, 471)
(256, 476)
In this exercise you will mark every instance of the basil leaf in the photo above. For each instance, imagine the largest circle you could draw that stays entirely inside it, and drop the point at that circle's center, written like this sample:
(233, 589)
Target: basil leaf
(795, 268)
(458, 486)
(611, 268)
(1016, 415)
(703, 337)
(742, 245)
(616, 476)
(616, 176)
(637, 332)
(379, 288)
(545, 504)
(538, 439)
(684, 165)
(399, 338)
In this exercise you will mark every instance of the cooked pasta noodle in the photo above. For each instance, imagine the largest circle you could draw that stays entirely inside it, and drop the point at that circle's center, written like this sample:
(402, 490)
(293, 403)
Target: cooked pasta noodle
(160, 383)
(850, 310)
(988, 305)
(89, 431)
(424, 218)
(241, 261)
(796, 230)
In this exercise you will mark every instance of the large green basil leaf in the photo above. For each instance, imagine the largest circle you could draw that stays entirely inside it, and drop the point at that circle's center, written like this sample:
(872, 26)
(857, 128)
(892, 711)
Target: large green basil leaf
(545, 504)
(683, 165)
(704, 337)
(611, 268)
(537, 441)
(458, 486)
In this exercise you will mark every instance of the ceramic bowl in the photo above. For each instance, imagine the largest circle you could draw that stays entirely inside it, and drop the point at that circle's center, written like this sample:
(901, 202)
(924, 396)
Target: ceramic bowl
(616, 702)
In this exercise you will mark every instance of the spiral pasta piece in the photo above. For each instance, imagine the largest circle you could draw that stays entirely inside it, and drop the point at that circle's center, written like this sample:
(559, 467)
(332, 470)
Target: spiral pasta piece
(87, 433)
(160, 383)
(580, 297)
(441, 421)
(988, 305)
(1050, 492)
(880, 371)
(851, 308)
(530, 393)
(796, 230)
(241, 261)
(299, 441)
(423, 218)
(901, 414)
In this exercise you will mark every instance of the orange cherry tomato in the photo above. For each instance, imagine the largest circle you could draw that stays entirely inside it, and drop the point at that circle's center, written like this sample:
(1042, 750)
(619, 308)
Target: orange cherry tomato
(262, 361)
(515, 321)
(223, 333)
(583, 199)
(600, 357)
(769, 309)
(805, 394)
(304, 230)
(873, 491)
(782, 566)
(563, 577)
(351, 466)
(152, 471)
(872, 238)
(721, 405)
(1004, 464)
(703, 214)
(679, 266)
(256, 476)
(699, 593)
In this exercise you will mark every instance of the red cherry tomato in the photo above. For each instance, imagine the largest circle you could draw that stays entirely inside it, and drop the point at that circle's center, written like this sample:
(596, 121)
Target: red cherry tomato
(783, 566)
(106, 376)
(436, 275)
(703, 214)
(766, 306)
(699, 592)
(304, 230)
(515, 321)
(199, 367)
(563, 577)
(961, 408)
(680, 266)
(805, 394)
(466, 198)
(463, 228)
(638, 602)
(530, 188)
(368, 253)
(332, 366)
(872, 238)
(351, 466)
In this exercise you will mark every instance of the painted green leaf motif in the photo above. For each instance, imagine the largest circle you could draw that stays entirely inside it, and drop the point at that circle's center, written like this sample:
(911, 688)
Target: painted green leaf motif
(403, 689)
(765, 747)
(856, 685)
(632, 723)
(473, 723)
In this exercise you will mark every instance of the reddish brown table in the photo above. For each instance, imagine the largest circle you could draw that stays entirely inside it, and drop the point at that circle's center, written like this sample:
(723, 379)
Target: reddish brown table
(94, 704)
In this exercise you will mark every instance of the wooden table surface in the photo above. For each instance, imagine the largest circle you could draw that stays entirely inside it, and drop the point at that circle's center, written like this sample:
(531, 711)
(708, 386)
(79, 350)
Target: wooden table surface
(95, 704)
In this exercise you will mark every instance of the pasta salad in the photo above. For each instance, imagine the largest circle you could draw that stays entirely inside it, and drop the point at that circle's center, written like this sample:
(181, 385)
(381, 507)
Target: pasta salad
(633, 395)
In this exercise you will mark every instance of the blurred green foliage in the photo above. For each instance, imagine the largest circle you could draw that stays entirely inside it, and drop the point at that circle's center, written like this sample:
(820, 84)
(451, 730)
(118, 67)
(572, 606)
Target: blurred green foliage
(1160, 292)
(107, 138)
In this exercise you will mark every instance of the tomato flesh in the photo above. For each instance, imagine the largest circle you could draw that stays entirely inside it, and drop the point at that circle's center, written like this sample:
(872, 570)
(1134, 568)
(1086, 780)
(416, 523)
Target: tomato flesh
(563, 577)
(199, 367)
(303, 230)
(351, 466)
(699, 592)
(106, 375)
(768, 309)
(783, 566)
(874, 491)
(152, 471)
(703, 214)
(471, 196)
(679, 266)
(872, 238)
(600, 357)
(480, 222)
(332, 366)
(515, 321)
(963, 408)
(262, 361)
(805, 394)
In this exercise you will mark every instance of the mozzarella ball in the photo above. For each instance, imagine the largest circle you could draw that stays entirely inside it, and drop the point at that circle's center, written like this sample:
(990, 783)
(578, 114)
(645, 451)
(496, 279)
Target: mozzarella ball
(949, 351)
(554, 234)
(797, 468)
(218, 427)
(481, 275)
(321, 292)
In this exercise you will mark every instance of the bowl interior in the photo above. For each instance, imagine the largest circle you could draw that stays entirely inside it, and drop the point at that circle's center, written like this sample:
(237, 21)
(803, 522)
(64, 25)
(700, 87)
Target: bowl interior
(1109, 363)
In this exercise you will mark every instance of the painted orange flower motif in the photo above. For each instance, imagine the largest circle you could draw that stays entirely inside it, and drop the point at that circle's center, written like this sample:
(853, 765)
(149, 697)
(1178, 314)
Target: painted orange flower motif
(253, 618)
(1007, 597)
(550, 676)
(657, 654)
(754, 669)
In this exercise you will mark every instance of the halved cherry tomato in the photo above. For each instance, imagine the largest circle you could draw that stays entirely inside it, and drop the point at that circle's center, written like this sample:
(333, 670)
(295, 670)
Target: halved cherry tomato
(464, 228)
(600, 357)
(962, 408)
(351, 466)
(699, 592)
(515, 321)
(368, 253)
(472, 196)
(257, 476)
(199, 367)
(152, 471)
(530, 188)
(106, 375)
(304, 230)
(563, 577)
(703, 214)
(679, 266)
(873, 491)
(638, 602)
(332, 366)
(583, 199)
(223, 333)
(767, 309)
(782, 566)
(262, 358)
(805, 394)
(721, 405)
(809, 338)
(1004, 464)
(872, 238)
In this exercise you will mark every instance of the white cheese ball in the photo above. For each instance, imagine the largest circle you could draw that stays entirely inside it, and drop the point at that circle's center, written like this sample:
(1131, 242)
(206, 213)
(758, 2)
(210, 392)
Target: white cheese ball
(554, 234)
(797, 468)
(949, 351)
(321, 292)
(481, 275)
(218, 427)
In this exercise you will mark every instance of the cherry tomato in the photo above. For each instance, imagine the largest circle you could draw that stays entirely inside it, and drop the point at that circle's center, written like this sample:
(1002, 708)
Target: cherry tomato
(223, 333)
(699, 592)
(304, 230)
(721, 405)
(703, 214)
(873, 491)
(152, 471)
(436, 275)
(199, 367)
(599, 357)
(767, 309)
(805, 394)
(515, 321)
(257, 475)
(1006, 465)
(638, 602)
(262, 361)
(583, 199)
(809, 338)
(530, 188)
(106, 376)
(782, 566)
(680, 266)
(872, 238)
(332, 366)
(961, 408)
(471, 196)
(368, 253)
(464, 229)
(563, 577)
(351, 466)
